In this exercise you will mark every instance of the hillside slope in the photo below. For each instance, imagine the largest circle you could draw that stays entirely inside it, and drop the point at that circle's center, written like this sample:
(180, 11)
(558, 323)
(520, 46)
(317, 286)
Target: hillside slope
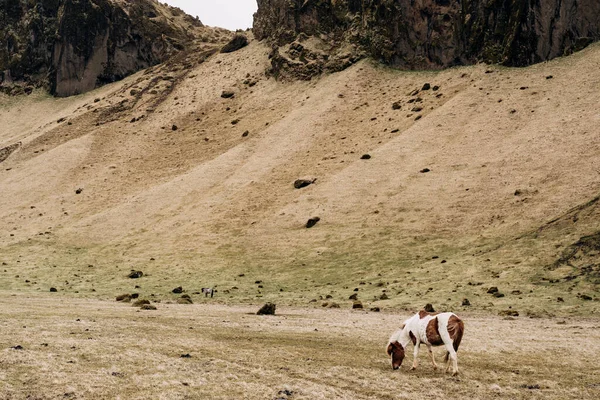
(162, 174)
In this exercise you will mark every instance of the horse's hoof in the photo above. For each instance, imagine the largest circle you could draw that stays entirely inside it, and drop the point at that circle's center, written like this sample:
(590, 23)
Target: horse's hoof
(455, 373)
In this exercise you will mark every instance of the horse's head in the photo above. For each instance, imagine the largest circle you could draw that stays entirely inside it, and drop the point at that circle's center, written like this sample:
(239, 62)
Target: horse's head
(396, 352)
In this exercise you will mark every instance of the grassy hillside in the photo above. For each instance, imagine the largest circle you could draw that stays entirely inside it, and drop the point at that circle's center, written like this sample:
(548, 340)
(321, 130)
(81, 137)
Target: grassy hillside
(159, 173)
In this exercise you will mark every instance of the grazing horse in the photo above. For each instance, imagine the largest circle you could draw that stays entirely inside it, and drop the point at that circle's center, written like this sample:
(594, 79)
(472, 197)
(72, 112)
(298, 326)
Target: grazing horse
(208, 291)
(432, 329)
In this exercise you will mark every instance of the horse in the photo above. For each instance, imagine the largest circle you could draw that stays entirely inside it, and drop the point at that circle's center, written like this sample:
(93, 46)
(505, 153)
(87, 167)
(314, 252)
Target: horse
(208, 291)
(431, 329)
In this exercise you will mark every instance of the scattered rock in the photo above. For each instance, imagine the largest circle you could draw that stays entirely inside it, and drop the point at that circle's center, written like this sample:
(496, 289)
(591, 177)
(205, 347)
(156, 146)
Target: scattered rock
(375, 309)
(245, 134)
(353, 296)
(416, 109)
(429, 308)
(492, 290)
(312, 222)
(334, 305)
(267, 309)
(435, 88)
(187, 355)
(125, 298)
(426, 86)
(235, 121)
(302, 183)
(508, 313)
(239, 41)
(549, 77)
(498, 294)
(177, 290)
(227, 94)
(396, 105)
(560, 299)
(17, 347)
(148, 307)
(140, 302)
(174, 128)
(425, 170)
(466, 302)
(135, 274)
(53, 290)
(584, 297)
(365, 157)
(383, 297)
(357, 305)
(531, 387)
(185, 300)
(78, 191)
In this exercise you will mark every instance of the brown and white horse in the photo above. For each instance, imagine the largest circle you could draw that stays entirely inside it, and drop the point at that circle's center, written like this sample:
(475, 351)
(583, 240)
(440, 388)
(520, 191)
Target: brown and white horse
(431, 329)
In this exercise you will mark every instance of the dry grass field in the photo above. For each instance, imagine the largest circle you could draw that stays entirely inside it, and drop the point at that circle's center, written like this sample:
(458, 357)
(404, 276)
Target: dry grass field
(491, 180)
(89, 349)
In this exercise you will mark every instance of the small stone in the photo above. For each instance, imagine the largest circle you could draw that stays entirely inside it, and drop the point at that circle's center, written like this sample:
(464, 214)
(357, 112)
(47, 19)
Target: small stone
(245, 134)
(492, 290)
(78, 191)
(425, 170)
(135, 274)
(174, 128)
(498, 294)
(125, 298)
(466, 302)
(140, 302)
(365, 157)
(357, 305)
(312, 222)
(267, 309)
(53, 290)
(426, 86)
(302, 183)
(353, 296)
(177, 290)
(227, 94)
(148, 307)
(383, 297)
(396, 105)
(375, 309)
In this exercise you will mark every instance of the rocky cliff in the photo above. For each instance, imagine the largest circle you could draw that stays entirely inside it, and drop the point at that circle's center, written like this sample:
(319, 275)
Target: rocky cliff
(438, 33)
(71, 46)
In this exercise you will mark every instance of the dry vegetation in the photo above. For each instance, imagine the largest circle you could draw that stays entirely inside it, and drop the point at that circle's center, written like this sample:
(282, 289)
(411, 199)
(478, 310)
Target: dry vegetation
(73, 348)
(159, 173)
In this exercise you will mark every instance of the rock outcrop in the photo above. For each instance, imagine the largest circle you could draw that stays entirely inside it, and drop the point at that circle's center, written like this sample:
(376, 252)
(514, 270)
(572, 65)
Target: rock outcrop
(438, 33)
(71, 46)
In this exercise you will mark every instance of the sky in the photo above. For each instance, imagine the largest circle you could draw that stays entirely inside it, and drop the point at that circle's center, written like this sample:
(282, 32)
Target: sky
(229, 14)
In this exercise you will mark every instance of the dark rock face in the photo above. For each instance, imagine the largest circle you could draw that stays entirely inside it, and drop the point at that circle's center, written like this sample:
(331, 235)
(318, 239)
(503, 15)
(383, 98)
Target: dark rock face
(239, 41)
(438, 33)
(71, 46)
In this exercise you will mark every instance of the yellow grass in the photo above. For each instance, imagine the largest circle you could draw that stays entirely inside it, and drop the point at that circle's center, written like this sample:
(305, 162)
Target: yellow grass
(105, 350)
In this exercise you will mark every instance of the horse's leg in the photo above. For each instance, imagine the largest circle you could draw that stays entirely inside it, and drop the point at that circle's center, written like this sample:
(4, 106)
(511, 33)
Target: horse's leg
(416, 355)
(452, 358)
(430, 350)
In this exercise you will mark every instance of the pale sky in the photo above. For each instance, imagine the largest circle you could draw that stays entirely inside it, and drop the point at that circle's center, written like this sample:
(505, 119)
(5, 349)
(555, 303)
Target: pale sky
(229, 14)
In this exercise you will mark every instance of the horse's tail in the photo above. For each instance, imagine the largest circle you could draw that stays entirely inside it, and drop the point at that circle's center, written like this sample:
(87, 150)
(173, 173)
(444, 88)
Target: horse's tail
(459, 329)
